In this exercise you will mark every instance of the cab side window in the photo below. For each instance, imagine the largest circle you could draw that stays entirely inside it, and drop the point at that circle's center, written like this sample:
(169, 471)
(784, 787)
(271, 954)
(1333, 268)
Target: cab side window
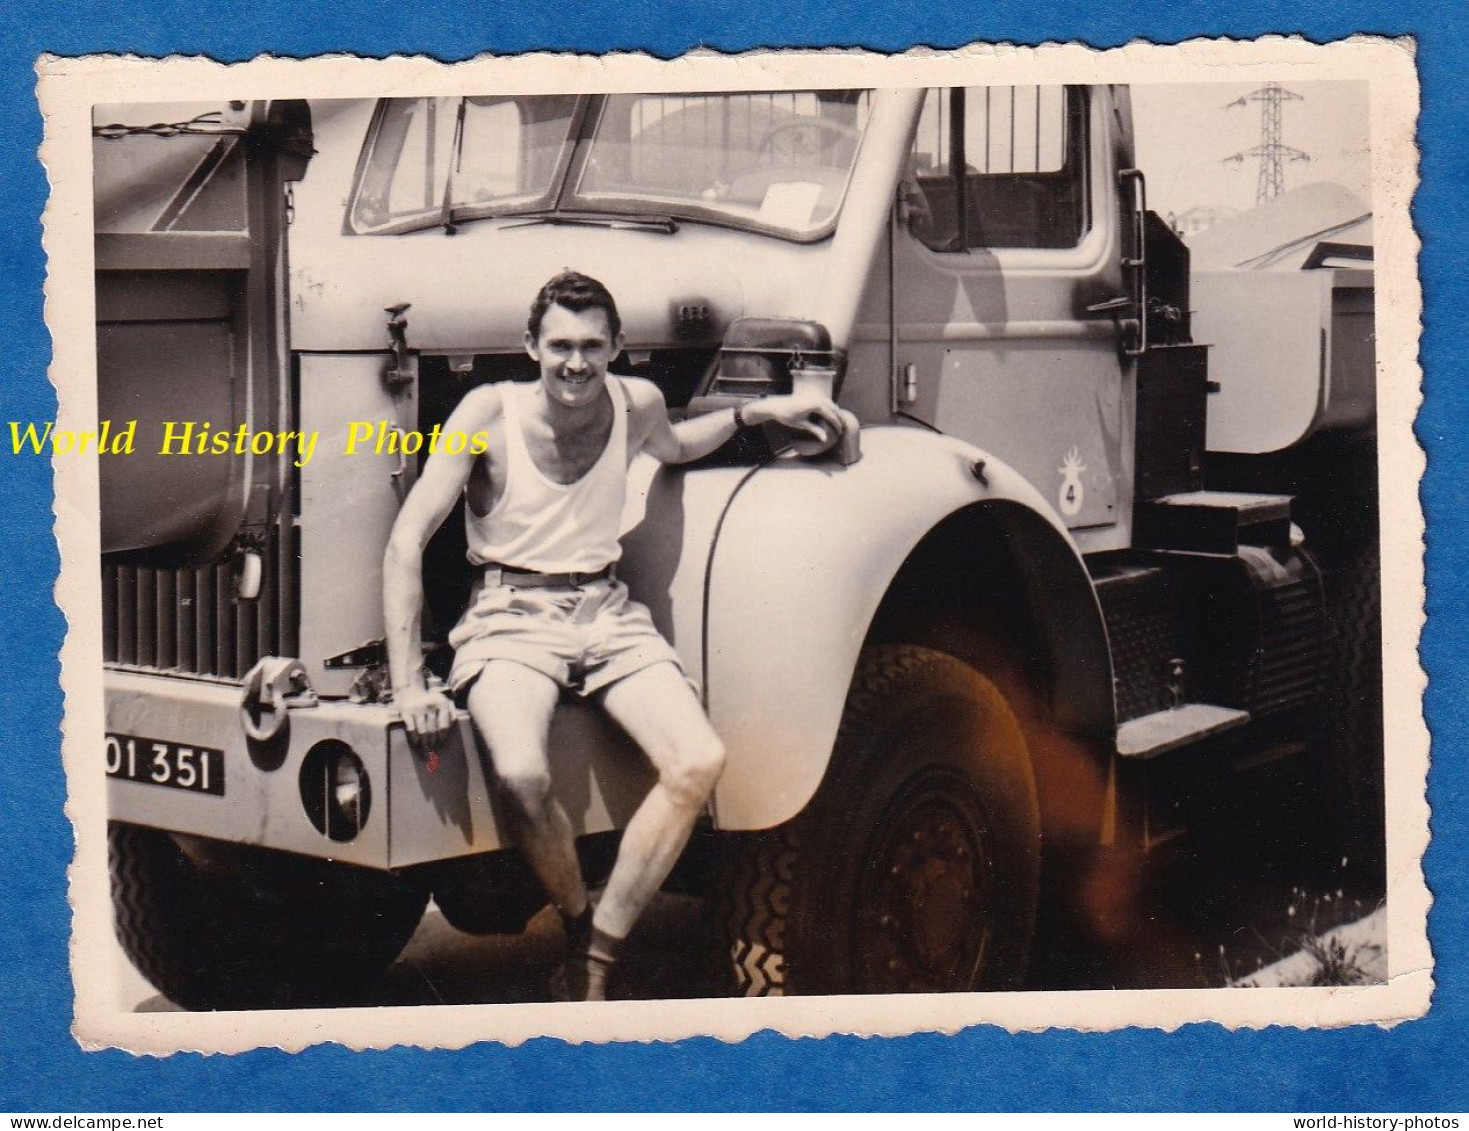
(1000, 167)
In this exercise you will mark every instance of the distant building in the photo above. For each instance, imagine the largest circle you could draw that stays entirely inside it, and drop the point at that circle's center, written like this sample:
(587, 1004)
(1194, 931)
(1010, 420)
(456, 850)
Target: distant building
(1194, 220)
(1316, 225)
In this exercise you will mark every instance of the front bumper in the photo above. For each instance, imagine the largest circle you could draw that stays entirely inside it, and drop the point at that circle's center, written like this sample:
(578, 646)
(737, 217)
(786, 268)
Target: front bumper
(422, 809)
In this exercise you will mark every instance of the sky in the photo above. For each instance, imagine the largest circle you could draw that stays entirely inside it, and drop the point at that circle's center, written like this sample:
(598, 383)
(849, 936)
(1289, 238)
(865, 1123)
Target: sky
(1184, 133)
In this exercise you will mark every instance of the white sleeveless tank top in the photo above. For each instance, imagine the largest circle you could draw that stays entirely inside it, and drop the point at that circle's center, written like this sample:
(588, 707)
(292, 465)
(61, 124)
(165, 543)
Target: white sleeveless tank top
(541, 525)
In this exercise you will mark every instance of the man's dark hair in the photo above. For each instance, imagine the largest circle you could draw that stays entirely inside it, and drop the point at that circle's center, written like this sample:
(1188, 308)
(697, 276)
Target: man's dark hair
(576, 292)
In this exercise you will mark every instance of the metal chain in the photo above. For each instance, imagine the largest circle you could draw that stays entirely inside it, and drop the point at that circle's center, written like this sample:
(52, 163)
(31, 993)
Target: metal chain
(209, 124)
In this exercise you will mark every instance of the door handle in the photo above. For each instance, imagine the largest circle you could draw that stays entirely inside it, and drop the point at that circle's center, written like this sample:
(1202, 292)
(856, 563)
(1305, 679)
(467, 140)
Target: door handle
(397, 432)
(1129, 327)
(1137, 262)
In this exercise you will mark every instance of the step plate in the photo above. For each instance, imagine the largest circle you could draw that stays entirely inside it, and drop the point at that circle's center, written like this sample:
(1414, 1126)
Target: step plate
(1251, 507)
(1212, 522)
(1162, 731)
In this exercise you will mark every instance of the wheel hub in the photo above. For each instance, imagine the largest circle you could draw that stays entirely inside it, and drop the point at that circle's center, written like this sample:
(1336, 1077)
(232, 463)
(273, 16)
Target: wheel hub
(924, 903)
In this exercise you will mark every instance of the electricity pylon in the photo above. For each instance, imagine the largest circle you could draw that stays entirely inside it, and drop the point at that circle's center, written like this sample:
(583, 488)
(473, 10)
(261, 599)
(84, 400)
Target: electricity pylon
(1272, 152)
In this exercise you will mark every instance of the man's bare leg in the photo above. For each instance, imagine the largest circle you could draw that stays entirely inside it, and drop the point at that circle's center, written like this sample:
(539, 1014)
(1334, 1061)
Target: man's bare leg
(511, 706)
(660, 713)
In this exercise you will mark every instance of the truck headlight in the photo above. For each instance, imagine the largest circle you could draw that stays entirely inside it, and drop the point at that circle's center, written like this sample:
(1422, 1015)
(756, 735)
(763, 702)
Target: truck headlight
(335, 790)
(759, 355)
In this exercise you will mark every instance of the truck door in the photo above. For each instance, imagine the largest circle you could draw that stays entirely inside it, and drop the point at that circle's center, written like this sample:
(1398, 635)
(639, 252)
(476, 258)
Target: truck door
(1009, 237)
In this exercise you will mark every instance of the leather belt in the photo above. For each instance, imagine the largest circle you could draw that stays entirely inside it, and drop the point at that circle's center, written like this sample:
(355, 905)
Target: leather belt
(534, 579)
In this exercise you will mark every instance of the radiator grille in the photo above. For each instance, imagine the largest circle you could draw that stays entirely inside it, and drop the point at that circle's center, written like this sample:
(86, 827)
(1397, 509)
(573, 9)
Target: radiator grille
(189, 620)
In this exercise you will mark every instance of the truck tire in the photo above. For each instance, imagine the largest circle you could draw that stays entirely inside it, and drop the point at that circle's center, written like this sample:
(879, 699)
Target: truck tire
(492, 894)
(219, 926)
(917, 865)
(1354, 703)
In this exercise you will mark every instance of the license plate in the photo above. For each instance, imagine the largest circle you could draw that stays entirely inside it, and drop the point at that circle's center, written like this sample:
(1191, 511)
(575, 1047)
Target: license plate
(197, 769)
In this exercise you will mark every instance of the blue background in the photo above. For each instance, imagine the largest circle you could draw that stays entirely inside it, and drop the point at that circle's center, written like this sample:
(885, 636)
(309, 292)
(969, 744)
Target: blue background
(1415, 1066)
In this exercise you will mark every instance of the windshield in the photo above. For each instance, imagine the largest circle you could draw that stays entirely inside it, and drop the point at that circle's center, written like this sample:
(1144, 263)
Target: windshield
(771, 161)
(778, 161)
(470, 156)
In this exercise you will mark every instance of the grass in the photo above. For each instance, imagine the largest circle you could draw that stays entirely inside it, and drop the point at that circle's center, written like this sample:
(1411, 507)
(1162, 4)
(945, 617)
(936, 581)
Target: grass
(1338, 964)
(1338, 942)
(1324, 939)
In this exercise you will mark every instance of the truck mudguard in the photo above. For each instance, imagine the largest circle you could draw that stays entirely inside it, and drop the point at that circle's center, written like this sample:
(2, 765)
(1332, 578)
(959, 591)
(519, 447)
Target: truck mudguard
(802, 558)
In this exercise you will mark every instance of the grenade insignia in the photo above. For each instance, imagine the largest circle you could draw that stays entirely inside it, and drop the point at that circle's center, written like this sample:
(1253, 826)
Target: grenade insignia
(1073, 491)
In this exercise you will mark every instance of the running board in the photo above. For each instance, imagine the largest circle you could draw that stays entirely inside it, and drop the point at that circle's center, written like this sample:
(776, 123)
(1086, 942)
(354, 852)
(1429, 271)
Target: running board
(1162, 731)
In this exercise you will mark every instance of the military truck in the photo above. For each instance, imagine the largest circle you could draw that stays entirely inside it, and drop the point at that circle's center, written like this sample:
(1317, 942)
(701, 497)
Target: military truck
(1062, 576)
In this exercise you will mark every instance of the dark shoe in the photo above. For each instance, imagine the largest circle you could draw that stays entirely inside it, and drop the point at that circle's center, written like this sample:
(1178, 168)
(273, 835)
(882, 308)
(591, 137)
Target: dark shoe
(569, 979)
(578, 930)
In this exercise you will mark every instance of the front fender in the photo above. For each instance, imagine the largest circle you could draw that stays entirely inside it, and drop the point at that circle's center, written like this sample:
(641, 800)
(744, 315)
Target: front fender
(804, 553)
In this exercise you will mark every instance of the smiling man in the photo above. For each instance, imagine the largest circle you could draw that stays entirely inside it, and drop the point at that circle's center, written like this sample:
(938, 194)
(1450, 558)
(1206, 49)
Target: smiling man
(544, 508)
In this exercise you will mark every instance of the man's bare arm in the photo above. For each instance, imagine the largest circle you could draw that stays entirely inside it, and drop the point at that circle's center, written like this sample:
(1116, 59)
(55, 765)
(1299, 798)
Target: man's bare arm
(427, 715)
(696, 437)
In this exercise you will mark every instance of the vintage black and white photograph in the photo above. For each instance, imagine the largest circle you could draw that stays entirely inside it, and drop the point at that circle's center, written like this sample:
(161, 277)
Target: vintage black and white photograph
(839, 544)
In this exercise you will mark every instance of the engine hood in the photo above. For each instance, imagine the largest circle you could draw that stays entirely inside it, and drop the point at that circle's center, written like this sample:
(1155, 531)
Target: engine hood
(472, 291)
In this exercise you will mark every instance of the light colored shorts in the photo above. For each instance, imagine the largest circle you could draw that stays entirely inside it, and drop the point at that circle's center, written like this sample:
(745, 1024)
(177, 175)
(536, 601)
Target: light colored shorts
(585, 638)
